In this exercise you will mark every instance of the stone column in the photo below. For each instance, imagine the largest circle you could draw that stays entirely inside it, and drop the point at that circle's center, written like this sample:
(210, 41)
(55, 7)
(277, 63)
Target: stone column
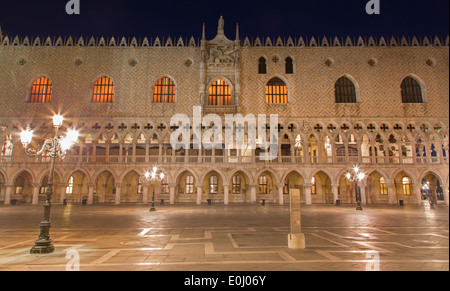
(253, 194)
(226, 195)
(8, 190)
(35, 199)
(305, 146)
(145, 186)
(91, 188)
(362, 191)
(280, 194)
(308, 200)
(390, 188)
(118, 192)
(335, 191)
(199, 194)
(417, 192)
(172, 193)
(63, 188)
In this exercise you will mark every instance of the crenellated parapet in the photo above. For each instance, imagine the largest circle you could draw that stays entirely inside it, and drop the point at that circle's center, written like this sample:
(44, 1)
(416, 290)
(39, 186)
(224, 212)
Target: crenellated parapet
(247, 42)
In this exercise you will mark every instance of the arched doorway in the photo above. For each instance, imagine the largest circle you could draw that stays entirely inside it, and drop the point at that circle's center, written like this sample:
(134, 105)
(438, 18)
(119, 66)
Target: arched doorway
(77, 187)
(293, 180)
(377, 189)
(404, 189)
(321, 191)
(186, 187)
(239, 187)
(132, 188)
(105, 187)
(432, 188)
(23, 188)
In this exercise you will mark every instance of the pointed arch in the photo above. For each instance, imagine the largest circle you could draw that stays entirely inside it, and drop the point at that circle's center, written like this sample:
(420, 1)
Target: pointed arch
(41, 90)
(345, 90)
(164, 91)
(220, 93)
(276, 91)
(262, 65)
(412, 90)
(103, 90)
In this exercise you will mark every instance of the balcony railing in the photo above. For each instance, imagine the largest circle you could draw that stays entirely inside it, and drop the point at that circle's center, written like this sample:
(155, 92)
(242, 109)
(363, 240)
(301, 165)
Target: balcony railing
(176, 159)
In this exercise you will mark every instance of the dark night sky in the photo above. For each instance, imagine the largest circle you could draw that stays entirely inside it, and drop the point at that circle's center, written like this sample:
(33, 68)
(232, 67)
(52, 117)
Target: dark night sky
(149, 18)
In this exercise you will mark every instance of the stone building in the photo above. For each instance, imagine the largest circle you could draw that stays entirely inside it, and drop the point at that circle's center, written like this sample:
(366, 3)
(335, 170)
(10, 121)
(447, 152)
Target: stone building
(379, 104)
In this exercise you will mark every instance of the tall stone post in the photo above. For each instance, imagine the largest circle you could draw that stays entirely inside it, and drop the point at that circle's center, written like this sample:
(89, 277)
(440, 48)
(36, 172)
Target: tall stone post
(296, 239)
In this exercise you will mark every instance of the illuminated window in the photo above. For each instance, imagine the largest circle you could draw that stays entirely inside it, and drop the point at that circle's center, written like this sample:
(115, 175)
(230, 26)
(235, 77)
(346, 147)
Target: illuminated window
(219, 93)
(406, 186)
(276, 91)
(411, 91)
(189, 185)
(69, 189)
(289, 66)
(383, 189)
(345, 91)
(262, 67)
(263, 184)
(41, 91)
(236, 184)
(164, 91)
(103, 91)
(313, 186)
(213, 184)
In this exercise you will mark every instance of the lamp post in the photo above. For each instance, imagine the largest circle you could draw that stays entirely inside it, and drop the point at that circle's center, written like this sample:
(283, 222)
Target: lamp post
(356, 176)
(53, 147)
(154, 176)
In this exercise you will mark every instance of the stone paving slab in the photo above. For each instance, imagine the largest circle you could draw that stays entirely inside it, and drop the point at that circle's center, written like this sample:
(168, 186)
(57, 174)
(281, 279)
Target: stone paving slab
(227, 238)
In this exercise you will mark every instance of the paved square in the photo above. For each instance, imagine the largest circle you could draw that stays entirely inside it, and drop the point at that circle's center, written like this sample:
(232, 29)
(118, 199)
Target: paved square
(227, 237)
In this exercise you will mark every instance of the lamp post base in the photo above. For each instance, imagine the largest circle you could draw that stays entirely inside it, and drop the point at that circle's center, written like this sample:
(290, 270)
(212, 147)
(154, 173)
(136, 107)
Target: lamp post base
(42, 247)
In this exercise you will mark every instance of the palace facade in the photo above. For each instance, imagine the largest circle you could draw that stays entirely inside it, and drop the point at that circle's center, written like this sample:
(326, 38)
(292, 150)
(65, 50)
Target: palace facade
(379, 104)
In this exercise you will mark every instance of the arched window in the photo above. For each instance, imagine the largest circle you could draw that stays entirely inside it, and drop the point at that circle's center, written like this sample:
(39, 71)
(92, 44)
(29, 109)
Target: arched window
(103, 91)
(262, 67)
(345, 91)
(263, 185)
(164, 91)
(41, 91)
(219, 93)
(276, 91)
(406, 182)
(189, 185)
(383, 188)
(69, 189)
(289, 66)
(213, 184)
(411, 91)
(236, 184)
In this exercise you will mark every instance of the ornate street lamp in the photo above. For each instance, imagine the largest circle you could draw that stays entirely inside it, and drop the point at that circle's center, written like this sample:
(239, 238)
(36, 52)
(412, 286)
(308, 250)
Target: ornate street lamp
(154, 176)
(356, 176)
(53, 147)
